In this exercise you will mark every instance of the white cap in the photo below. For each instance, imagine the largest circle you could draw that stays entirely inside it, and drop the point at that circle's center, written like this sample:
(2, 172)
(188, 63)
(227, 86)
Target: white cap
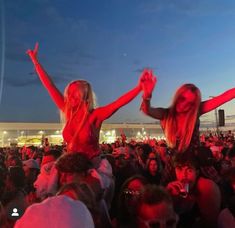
(56, 212)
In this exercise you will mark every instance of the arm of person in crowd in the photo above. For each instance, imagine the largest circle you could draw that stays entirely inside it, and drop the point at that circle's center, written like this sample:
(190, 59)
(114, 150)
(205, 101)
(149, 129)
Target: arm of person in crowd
(105, 112)
(211, 104)
(209, 201)
(55, 94)
(148, 83)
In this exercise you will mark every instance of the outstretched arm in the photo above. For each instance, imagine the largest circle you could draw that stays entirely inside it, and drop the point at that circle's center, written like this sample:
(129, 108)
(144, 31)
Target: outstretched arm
(55, 94)
(209, 105)
(148, 83)
(105, 112)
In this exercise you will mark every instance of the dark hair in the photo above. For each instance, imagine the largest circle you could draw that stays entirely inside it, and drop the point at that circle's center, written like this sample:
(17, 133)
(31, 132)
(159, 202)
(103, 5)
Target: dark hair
(229, 175)
(186, 159)
(16, 176)
(204, 156)
(126, 213)
(73, 163)
(231, 152)
(54, 152)
(83, 192)
(14, 160)
(153, 194)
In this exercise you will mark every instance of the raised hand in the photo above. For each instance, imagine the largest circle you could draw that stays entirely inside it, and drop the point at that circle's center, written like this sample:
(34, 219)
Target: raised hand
(33, 53)
(148, 81)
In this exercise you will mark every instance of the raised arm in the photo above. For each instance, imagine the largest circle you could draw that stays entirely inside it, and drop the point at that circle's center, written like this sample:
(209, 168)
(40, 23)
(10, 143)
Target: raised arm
(55, 94)
(148, 83)
(105, 112)
(209, 105)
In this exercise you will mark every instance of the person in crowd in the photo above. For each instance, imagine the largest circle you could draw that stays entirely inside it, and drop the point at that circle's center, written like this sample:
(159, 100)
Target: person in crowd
(46, 183)
(163, 153)
(58, 211)
(154, 208)
(152, 172)
(180, 121)
(227, 215)
(82, 120)
(231, 156)
(14, 195)
(75, 167)
(197, 200)
(13, 160)
(31, 170)
(83, 192)
(126, 201)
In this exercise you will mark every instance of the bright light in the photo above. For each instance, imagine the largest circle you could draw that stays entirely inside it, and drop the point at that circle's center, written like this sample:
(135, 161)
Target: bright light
(5, 132)
(41, 132)
(57, 132)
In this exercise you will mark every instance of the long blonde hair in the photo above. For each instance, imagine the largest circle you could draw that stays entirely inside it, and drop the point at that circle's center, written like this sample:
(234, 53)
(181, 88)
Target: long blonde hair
(88, 99)
(187, 127)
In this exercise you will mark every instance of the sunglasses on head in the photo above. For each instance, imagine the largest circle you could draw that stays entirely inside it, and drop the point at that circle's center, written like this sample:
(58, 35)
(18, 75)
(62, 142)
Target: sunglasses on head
(130, 193)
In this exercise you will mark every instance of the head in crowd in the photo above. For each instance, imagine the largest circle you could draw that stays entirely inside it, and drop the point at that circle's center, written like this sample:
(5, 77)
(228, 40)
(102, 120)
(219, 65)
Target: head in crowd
(73, 167)
(186, 103)
(155, 208)
(31, 170)
(3, 173)
(13, 160)
(15, 181)
(204, 156)
(130, 151)
(128, 195)
(231, 156)
(55, 153)
(80, 191)
(153, 166)
(71, 164)
(78, 96)
(229, 177)
(186, 168)
(15, 177)
(144, 151)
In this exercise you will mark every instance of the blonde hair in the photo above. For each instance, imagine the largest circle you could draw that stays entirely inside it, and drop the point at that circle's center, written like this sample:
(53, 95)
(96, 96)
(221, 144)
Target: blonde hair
(187, 127)
(88, 99)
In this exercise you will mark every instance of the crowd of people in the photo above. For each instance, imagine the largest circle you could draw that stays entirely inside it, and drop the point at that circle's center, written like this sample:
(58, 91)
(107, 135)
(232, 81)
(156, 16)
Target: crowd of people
(137, 184)
(186, 180)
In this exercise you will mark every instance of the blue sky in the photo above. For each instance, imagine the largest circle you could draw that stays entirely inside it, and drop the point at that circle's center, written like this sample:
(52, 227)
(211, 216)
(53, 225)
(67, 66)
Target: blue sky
(108, 43)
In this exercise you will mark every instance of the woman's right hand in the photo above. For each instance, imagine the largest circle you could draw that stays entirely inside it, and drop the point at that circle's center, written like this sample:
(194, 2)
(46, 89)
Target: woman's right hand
(33, 53)
(148, 81)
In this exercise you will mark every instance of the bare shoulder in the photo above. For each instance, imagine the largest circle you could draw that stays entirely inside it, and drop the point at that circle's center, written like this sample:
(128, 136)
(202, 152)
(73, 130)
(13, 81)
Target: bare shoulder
(206, 185)
(94, 116)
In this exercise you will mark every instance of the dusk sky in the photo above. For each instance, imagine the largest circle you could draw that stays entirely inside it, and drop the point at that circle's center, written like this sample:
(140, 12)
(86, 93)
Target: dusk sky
(108, 43)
